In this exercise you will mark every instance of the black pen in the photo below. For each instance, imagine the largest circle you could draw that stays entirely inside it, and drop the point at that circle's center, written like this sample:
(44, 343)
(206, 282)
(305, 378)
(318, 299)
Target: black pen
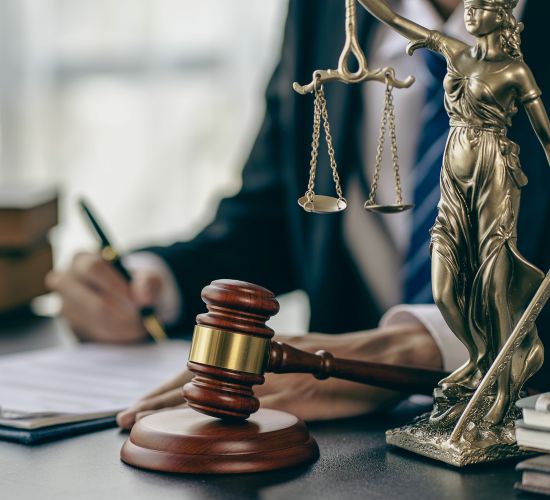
(109, 254)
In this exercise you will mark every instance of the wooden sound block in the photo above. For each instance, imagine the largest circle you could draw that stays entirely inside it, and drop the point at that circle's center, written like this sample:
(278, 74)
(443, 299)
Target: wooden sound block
(186, 441)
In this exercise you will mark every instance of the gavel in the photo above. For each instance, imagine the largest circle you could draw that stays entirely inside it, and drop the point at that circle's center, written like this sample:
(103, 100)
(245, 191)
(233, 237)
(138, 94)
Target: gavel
(232, 349)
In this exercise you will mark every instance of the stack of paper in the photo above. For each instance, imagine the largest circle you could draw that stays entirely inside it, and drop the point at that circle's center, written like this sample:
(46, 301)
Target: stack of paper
(533, 433)
(84, 382)
(535, 475)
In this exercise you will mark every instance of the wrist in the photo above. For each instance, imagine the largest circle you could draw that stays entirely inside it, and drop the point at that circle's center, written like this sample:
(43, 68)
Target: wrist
(418, 348)
(404, 344)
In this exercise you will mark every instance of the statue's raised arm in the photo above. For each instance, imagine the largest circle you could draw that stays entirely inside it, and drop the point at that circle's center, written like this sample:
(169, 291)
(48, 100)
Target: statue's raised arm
(418, 35)
(383, 12)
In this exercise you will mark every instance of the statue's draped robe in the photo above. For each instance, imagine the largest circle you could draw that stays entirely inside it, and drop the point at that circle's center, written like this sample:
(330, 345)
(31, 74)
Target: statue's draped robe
(475, 231)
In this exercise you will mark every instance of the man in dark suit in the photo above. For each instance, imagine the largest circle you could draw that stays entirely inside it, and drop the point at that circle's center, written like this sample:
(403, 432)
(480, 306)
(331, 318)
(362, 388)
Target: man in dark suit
(261, 235)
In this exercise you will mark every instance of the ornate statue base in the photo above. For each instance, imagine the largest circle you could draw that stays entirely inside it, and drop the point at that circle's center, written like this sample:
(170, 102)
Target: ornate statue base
(430, 435)
(425, 439)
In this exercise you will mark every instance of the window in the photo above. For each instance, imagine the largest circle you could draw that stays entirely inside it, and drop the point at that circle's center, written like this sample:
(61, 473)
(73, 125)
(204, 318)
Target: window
(146, 107)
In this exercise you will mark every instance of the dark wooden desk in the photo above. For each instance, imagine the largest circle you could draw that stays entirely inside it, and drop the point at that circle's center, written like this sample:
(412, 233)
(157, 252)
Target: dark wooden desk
(355, 463)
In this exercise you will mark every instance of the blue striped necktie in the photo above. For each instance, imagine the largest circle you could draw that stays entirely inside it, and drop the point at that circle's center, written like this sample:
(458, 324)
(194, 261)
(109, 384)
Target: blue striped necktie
(434, 126)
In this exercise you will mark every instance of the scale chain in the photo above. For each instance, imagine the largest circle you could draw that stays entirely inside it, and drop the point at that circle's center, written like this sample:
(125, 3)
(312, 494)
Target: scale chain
(379, 153)
(328, 138)
(320, 114)
(310, 194)
(393, 136)
(387, 122)
(387, 125)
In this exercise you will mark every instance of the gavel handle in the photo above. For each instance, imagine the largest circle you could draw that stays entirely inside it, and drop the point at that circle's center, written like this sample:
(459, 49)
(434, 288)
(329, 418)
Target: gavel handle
(286, 359)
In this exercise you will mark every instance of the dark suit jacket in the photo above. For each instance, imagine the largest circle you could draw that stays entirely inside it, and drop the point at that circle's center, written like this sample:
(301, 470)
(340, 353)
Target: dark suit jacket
(261, 235)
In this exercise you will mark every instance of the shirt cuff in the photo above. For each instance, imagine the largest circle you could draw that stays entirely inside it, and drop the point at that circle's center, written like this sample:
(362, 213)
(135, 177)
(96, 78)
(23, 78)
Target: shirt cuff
(453, 352)
(169, 303)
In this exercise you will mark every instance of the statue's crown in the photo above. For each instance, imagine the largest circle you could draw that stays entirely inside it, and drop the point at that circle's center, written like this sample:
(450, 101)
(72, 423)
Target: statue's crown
(492, 4)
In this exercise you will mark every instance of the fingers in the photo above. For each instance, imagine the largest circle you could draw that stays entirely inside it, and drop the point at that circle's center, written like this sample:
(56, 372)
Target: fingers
(146, 287)
(274, 383)
(127, 418)
(318, 408)
(311, 399)
(96, 301)
(91, 269)
(177, 382)
(315, 400)
(74, 295)
(167, 395)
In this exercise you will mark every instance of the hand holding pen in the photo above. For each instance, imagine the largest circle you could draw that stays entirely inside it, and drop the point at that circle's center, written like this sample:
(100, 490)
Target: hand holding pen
(109, 254)
(101, 301)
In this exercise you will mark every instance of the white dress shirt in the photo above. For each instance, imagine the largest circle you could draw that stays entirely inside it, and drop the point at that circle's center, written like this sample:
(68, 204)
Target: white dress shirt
(377, 243)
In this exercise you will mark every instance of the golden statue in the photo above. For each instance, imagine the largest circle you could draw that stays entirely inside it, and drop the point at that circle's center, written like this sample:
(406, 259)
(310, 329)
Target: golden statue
(487, 292)
(480, 281)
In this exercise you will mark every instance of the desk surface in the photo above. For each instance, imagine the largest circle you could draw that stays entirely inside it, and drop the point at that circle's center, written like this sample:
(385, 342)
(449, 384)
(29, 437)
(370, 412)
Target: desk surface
(355, 462)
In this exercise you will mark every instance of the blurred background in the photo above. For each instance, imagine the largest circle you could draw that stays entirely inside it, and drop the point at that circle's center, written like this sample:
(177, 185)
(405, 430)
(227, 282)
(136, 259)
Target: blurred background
(148, 108)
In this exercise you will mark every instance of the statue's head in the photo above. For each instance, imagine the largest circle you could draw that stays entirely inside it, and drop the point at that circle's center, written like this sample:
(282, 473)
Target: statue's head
(483, 17)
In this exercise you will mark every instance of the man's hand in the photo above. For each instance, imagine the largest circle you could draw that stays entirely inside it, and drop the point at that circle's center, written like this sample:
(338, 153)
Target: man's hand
(311, 399)
(99, 304)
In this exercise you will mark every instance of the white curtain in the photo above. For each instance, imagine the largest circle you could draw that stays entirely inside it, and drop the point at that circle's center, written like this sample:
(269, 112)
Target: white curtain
(146, 107)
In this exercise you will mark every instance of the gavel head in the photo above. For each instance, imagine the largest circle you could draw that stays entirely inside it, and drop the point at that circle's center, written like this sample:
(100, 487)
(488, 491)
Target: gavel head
(230, 349)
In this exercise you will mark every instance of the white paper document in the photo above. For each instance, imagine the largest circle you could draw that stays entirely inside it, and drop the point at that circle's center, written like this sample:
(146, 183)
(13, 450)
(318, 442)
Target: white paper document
(87, 380)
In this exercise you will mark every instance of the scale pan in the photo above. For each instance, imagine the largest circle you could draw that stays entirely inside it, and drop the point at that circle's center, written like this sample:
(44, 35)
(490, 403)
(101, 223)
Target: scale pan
(323, 204)
(388, 209)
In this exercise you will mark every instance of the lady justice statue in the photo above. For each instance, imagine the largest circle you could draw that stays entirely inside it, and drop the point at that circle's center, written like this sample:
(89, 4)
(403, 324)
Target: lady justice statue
(482, 285)
(480, 281)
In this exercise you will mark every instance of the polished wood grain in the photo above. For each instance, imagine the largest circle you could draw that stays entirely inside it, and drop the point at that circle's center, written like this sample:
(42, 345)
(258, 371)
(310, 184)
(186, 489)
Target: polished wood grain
(240, 307)
(222, 393)
(322, 364)
(185, 441)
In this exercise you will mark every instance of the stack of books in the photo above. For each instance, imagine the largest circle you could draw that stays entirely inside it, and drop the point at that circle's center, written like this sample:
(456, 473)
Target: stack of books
(26, 216)
(533, 433)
